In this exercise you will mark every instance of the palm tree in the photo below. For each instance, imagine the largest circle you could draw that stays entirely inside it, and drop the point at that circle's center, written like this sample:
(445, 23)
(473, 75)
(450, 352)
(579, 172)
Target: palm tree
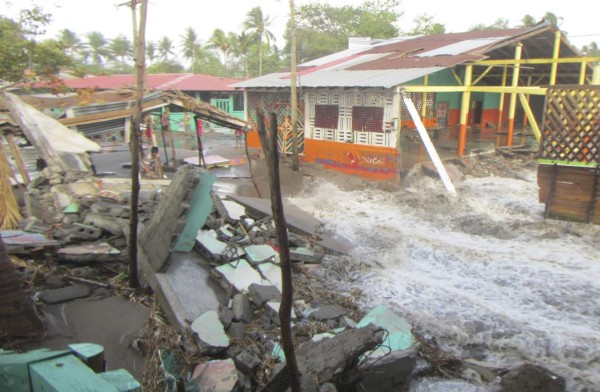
(257, 26)
(241, 45)
(223, 42)
(165, 48)
(97, 47)
(70, 42)
(121, 48)
(528, 21)
(150, 51)
(190, 46)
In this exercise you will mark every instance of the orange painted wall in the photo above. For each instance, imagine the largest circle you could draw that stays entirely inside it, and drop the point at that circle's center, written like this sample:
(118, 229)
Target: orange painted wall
(253, 139)
(428, 122)
(489, 116)
(453, 117)
(380, 163)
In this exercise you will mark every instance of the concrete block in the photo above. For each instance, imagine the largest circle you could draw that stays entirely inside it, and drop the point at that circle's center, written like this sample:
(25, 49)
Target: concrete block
(105, 223)
(215, 376)
(237, 329)
(210, 333)
(64, 294)
(247, 363)
(226, 316)
(347, 322)
(400, 336)
(327, 312)
(234, 210)
(305, 255)
(389, 373)
(242, 310)
(101, 252)
(260, 294)
(258, 254)
(532, 378)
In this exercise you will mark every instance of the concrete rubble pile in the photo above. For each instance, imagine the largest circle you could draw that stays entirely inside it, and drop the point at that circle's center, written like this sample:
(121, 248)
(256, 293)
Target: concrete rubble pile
(213, 264)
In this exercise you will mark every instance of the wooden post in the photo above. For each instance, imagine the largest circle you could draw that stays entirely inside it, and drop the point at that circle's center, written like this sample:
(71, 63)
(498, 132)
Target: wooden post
(294, 90)
(527, 99)
(18, 157)
(424, 98)
(555, 54)
(501, 106)
(140, 71)
(582, 71)
(551, 191)
(464, 111)
(269, 143)
(513, 96)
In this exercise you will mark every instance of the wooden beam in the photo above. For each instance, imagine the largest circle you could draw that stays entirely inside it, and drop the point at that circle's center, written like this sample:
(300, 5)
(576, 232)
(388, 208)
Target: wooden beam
(18, 158)
(464, 112)
(530, 116)
(112, 115)
(424, 97)
(582, 73)
(501, 105)
(488, 69)
(564, 60)
(476, 89)
(458, 80)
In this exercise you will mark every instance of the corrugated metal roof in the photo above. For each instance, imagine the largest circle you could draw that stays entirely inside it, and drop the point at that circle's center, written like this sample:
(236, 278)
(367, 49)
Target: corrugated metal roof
(461, 47)
(343, 78)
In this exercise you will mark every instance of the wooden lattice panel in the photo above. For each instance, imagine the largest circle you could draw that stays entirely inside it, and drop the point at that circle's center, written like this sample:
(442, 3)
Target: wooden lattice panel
(571, 125)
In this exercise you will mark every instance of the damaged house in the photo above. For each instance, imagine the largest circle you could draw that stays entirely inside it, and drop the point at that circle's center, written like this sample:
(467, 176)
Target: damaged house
(470, 85)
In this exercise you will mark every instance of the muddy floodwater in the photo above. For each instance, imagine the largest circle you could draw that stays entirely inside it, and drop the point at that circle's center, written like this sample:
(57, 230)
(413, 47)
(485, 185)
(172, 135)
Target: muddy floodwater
(484, 273)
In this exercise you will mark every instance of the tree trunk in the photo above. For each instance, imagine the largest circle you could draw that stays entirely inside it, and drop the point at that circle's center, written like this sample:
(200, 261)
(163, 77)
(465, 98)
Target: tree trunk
(294, 88)
(269, 143)
(140, 52)
(17, 315)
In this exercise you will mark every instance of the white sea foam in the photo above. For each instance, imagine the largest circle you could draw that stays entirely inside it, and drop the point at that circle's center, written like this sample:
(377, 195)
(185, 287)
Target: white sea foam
(482, 273)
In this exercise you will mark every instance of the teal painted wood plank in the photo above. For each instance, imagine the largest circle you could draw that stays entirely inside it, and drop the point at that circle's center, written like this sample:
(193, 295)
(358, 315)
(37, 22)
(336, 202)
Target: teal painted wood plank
(14, 370)
(86, 350)
(200, 207)
(66, 374)
(122, 380)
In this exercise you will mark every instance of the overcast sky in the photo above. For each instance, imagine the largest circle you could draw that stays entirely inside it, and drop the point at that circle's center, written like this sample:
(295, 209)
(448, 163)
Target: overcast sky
(171, 17)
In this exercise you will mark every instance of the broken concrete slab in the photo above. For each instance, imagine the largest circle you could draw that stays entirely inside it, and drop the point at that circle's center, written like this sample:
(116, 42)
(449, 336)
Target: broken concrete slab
(453, 172)
(340, 353)
(305, 255)
(387, 374)
(178, 289)
(235, 211)
(261, 294)
(272, 272)
(260, 253)
(64, 294)
(242, 310)
(246, 362)
(210, 333)
(101, 252)
(327, 312)
(22, 242)
(297, 220)
(215, 376)
(237, 329)
(78, 232)
(208, 240)
(486, 371)
(165, 224)
(200, 203)
(239, 274)
(399, 336)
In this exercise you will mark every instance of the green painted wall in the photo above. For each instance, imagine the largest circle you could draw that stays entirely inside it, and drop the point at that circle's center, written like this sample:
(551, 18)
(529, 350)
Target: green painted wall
(442, 78)
(491, 101)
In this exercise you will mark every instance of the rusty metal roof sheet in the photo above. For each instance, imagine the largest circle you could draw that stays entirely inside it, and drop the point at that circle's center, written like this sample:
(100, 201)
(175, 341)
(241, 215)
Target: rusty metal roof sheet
(462, 47)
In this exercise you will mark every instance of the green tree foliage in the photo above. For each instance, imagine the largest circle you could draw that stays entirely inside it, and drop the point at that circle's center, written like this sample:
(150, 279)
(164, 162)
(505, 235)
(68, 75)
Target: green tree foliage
(21, 56)
(425, 25)
(71, 42)
(151, 52)
(165, 66)
(165, 49)
(500, 23)
(591, 50)
(223, 42)
(530, 21)
(323, 29)
(190, 46)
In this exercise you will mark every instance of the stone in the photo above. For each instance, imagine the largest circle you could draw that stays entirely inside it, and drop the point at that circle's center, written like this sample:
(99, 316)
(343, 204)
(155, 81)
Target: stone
(246, 362)
(453, 172)
(237, 329)
(487, 372)
(260, 294)
(258, 254)
(399, 330)
(327, 387)
(242, 310)
(238, 274)
(86, 253)
(64, 294)
(215, 376)
(387, 374)
(53, 281)
(532, 378)
(305, 255)
(327, 312)
(210, 333)
(347, 322)
(105, 223)
(226, 316)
